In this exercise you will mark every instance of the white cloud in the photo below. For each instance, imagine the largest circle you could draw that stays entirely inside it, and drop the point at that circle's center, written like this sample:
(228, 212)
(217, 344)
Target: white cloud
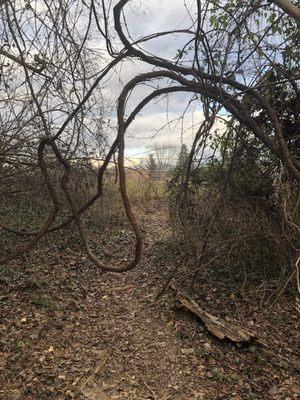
(159, 129)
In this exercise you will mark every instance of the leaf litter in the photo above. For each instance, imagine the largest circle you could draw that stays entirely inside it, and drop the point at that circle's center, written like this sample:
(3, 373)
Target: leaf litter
(69, 331)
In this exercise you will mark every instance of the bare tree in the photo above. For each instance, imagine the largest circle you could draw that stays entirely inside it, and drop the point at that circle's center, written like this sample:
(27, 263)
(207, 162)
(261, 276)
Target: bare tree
(229, 50)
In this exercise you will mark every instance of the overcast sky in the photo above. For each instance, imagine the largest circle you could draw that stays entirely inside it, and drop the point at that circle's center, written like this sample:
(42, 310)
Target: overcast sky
(168, 121)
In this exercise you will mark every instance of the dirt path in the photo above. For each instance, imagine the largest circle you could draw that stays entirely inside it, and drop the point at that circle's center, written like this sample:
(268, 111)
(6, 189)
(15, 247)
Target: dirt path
(70, 331)
(94, 335)
(145, 356)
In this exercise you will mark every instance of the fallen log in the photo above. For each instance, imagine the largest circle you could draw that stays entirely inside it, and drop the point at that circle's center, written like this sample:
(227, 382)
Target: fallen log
(219, 328)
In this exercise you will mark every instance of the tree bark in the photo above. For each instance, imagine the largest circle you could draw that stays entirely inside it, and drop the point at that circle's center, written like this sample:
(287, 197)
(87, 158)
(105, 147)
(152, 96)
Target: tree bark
(289, 8)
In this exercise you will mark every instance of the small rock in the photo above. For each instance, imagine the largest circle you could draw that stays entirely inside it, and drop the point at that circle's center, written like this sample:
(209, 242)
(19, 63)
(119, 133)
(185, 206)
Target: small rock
(187, 351)
(207, 347)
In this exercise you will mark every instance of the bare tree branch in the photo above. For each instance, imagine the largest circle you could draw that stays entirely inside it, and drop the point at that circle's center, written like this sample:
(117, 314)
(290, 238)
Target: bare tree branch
(289, 8)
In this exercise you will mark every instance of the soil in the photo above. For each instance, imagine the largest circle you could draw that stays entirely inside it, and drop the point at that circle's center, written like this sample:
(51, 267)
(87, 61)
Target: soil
(70, 331)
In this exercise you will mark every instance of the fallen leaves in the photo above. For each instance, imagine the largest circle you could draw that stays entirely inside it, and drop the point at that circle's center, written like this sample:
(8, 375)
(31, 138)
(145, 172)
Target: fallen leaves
(288, 389)
(103, 337)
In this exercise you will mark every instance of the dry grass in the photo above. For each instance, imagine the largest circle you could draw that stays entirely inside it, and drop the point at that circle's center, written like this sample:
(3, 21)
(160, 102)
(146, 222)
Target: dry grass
(105, 222)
